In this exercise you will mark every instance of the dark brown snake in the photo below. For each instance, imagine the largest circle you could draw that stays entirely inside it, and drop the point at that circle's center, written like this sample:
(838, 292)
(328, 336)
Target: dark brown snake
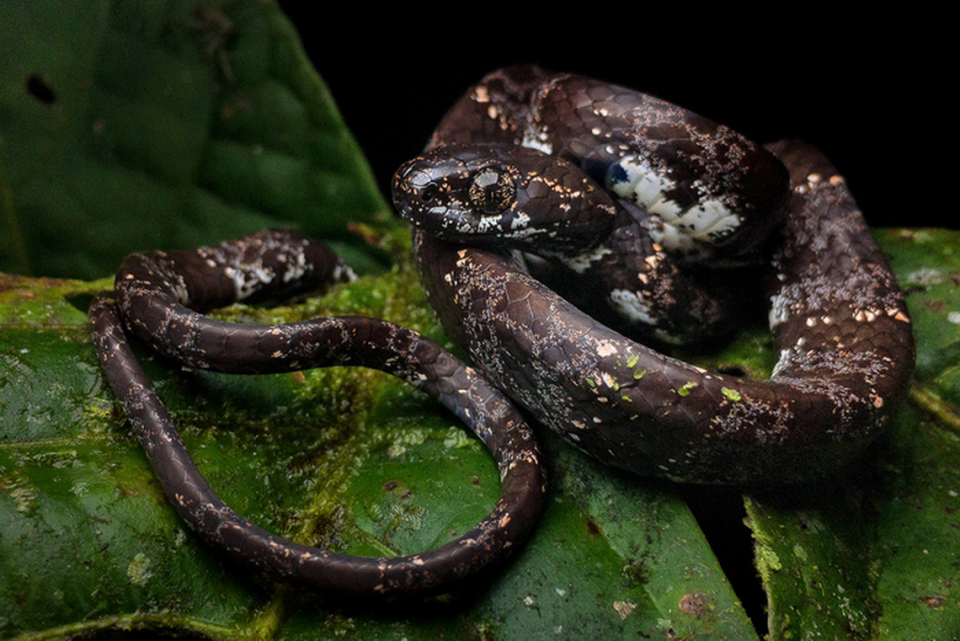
(508, 185)
(154, 293)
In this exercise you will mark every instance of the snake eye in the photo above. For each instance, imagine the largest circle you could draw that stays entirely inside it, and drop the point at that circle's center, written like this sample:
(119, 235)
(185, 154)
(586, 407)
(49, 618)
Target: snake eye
(492, 190)
(429, 194)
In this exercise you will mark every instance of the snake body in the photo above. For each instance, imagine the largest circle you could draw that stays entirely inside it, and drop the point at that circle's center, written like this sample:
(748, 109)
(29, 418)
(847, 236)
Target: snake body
(626, 195)
(839, 319)
(154, 295)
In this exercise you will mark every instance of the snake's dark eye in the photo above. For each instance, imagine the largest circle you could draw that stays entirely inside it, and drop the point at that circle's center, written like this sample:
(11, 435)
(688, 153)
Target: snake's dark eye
(492, 190)
(429, 194)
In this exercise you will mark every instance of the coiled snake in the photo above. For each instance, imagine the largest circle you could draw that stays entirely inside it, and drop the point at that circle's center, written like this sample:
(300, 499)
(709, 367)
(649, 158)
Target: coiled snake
(839, 318)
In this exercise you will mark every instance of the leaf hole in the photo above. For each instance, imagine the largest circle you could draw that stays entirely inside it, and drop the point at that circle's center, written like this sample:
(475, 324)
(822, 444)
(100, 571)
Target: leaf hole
(38, 87)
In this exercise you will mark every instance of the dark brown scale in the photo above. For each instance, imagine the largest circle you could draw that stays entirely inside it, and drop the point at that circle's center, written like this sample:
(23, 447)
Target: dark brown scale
(154, 293)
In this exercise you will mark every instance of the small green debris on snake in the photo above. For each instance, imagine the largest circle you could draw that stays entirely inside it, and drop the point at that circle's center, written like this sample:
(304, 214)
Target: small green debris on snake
(732, 394)
(685, 390)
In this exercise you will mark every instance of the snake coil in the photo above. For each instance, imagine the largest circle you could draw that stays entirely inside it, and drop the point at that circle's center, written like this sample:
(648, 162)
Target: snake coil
(583, 182)
(154, 293)
(684, 190)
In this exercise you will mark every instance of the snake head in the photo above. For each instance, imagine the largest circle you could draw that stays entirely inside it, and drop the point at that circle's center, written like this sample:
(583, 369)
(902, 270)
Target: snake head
(504, 196)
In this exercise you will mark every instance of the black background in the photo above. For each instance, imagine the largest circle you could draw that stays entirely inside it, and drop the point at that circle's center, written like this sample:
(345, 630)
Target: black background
(865, 95)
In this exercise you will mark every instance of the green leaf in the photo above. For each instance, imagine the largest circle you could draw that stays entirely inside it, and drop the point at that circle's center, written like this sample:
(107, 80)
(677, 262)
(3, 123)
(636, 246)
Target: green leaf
(127, 126)
(201, 121)
(360, 462)
(876, 555)
(348, 459)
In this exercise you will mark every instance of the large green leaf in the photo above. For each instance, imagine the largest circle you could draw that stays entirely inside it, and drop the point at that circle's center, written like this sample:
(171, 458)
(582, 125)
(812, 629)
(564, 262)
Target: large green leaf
(348, 459)
(877, 554)
(127, 126)
(358, 461)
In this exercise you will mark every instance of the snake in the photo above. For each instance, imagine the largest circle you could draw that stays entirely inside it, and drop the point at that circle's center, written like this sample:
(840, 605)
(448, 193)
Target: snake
(536, 188)
(569, 231)
(159, 297)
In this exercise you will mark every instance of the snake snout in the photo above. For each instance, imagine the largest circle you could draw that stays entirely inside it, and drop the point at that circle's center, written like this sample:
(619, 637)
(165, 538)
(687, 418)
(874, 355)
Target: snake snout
(411, 185)
(421, 196)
